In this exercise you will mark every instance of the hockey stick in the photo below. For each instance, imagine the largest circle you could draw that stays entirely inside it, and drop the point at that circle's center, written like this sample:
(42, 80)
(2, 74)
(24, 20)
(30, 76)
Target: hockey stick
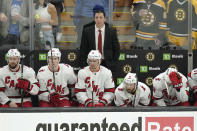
(92, 81)
(23, 57)
(22, 91)
(169, 101)
(49, 43)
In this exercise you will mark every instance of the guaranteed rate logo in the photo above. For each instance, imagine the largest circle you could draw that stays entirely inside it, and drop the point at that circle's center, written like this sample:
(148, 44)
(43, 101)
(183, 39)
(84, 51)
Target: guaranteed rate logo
(104, 126)
(169, 124)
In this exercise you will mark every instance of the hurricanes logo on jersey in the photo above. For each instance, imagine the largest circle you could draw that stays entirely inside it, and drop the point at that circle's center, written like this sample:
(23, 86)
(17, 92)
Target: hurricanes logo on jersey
(180, 14)
(148, 19)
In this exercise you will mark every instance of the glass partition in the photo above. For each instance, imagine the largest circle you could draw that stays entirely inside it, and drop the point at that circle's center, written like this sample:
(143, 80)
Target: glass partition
(14, 24)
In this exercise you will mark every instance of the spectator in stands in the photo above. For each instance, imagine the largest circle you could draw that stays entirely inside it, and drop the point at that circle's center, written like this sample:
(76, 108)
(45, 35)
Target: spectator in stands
(95, 85)
(170, 88)
(83, 14)
(46, 17)
(1, 19)
(132, 93)
(59, 5)
(15, 22)
(177, 23)
(192, 81)
(16, 83)
(100, 36)
(149, 18)
(55, 80)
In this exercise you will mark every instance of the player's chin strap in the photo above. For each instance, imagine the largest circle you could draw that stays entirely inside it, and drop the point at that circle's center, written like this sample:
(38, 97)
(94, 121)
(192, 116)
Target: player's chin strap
(49, 43)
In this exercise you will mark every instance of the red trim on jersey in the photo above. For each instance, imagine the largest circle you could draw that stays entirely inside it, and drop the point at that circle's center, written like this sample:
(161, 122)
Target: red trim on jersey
(30, 88)
(153, 98)
(186, 103)
(40, 92)
(194, 87)
(102, 99)
(2, 89)
(56, 71)
(125, 102)
(38, 84)
(109, 90)
(95, 71)
(88, 101)
(79, 90)
(120, 89)
(189, 74)
(12, 69)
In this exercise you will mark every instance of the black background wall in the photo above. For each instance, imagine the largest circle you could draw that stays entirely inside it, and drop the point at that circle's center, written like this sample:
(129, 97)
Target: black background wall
(147, 64)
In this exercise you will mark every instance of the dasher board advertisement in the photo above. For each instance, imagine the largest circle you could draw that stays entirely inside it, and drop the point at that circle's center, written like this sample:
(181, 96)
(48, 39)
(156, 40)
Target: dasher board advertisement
(99, 121)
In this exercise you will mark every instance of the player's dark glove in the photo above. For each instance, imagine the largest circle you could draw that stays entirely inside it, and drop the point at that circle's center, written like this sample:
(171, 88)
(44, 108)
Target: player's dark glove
(54, 98)
(23, 84)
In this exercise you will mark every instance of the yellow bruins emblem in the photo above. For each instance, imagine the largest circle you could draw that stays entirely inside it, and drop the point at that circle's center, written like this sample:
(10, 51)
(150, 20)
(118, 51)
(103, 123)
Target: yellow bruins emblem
(148, 19)
(127, 68)
(72, 56)
(150, 56)
(149, 81)
(173, 66)
(180, 14)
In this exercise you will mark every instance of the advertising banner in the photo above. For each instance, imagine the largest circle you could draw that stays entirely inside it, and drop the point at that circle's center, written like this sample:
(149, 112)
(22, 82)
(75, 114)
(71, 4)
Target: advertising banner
(99, 121)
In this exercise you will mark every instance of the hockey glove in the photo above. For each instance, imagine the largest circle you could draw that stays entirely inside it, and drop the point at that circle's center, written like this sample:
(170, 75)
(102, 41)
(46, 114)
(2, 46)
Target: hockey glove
(54, 98)
(176, 80)
(23, 84)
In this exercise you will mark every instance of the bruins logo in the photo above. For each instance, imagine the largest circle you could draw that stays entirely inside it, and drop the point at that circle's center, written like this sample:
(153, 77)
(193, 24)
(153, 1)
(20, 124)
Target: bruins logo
(149, 81)
(149, 18)
(127, 68)
(173, 66)
(150, 56)
(180, 14)
(72, 56)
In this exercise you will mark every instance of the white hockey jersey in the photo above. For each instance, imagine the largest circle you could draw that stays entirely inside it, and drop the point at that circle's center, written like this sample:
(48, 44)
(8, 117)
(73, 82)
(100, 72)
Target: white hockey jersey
(141, 98)
(95, 86)
(164, 94)
(8, 81)
(64, 77)
(192, 83)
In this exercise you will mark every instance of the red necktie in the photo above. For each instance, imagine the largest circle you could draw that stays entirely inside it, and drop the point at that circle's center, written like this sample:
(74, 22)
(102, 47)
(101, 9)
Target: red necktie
(100, 42)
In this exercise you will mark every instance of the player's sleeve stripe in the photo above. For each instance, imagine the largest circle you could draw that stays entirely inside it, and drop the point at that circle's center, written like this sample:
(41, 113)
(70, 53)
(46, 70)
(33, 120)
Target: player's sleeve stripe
(109, 90)
(2, 89)
(41, 92)
(79, 90)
